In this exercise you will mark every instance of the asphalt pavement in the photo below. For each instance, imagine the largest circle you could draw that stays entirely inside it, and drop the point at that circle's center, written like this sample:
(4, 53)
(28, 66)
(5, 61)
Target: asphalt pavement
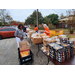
(9, 53)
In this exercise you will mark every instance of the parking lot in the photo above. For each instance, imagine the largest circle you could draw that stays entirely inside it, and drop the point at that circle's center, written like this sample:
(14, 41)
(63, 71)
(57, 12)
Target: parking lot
(9, 53)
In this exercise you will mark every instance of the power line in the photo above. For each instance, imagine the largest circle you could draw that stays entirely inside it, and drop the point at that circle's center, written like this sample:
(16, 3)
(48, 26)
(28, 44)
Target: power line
(46, 11)
(56, 11)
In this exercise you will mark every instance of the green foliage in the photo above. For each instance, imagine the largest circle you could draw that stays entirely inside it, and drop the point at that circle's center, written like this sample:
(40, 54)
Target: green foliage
(0, 23)
(32, 19)
(50, 19)
(53, 18)
(47, 20)
(51, 26)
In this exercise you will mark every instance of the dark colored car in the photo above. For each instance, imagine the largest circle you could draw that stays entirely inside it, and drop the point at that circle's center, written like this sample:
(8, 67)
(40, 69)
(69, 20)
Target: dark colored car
(7, 32)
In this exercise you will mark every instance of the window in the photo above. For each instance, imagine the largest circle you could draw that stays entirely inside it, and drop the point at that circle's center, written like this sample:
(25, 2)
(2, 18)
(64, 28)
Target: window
(8, 29)
(12, 29)
(4, 29)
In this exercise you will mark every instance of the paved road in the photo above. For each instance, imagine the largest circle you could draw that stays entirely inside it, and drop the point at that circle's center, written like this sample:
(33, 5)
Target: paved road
(9, 53)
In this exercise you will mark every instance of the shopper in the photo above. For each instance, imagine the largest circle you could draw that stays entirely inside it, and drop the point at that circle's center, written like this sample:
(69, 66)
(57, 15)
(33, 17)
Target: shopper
(36, 29)
(24, 28)
(19, 34)
(25, 31)
(47, 32)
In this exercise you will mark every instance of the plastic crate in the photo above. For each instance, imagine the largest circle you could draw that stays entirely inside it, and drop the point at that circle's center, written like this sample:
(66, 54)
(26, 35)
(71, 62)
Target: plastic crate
(27, 59)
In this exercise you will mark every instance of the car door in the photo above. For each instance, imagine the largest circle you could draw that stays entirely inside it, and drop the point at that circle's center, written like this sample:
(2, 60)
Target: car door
(12, 31)
(4, 32)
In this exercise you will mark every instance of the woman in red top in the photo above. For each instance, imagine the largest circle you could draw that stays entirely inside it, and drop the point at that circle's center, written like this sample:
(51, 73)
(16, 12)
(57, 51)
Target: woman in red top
(47, 32)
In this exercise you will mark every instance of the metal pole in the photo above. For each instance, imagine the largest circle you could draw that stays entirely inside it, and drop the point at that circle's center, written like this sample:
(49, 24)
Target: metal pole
(37, 17)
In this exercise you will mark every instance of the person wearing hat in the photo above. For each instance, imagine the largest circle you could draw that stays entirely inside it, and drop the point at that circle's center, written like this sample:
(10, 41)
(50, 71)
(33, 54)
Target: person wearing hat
(47, 32)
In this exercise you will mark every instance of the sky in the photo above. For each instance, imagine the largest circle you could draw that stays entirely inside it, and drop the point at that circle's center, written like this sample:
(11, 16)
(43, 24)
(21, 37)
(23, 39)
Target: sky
(22, 14)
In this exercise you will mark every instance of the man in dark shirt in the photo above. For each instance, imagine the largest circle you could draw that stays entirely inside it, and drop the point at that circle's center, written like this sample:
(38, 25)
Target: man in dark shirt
(24, 29)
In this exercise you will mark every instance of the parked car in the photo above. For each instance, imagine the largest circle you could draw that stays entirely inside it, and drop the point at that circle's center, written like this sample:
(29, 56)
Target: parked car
(7, 32)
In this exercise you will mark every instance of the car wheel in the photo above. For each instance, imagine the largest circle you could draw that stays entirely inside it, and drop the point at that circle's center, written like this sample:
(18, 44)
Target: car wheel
(1, 37)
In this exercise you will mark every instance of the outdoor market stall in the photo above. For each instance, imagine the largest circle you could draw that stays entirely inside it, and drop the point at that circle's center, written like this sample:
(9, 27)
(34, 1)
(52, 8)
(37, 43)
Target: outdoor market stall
(70, 61)
(62, 52)
(59, 49)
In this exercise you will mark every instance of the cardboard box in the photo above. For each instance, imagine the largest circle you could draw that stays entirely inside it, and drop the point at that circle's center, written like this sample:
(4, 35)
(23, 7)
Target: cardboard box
(37, 40)
(45, 42)
(30, 33)
(45, 37)
(24, 46)
(43, 34)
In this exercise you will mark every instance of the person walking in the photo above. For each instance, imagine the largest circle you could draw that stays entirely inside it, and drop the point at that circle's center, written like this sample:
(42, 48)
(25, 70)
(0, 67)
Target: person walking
(19, 34)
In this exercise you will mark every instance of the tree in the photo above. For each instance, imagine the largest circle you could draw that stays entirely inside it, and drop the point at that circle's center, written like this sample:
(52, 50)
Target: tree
(8, 19)
(53, 18)
(49, 23)
(62, 16)
(47, 20)
(71, 20)
(0, 23)
(4, 14)
(32, 19)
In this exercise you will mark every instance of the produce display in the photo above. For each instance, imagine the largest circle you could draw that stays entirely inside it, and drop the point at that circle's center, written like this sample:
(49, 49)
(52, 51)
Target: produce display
(61, 49)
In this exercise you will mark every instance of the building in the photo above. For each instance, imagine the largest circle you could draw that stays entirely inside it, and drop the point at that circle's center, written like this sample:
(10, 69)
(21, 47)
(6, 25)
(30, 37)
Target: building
(14, 23)
(62, 23)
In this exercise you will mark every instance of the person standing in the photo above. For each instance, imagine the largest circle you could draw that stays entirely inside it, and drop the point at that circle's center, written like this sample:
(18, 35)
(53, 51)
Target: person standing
(19, 34)
(24, 28)
(47, 32)
(36, 29)
(25, 31)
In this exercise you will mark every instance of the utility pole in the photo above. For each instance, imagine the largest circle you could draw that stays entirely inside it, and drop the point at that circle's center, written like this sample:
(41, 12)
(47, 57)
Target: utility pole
(37, 17)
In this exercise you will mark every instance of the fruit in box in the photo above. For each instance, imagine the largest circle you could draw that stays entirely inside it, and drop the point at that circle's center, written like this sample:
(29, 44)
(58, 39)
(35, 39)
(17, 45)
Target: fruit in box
(25, 53)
